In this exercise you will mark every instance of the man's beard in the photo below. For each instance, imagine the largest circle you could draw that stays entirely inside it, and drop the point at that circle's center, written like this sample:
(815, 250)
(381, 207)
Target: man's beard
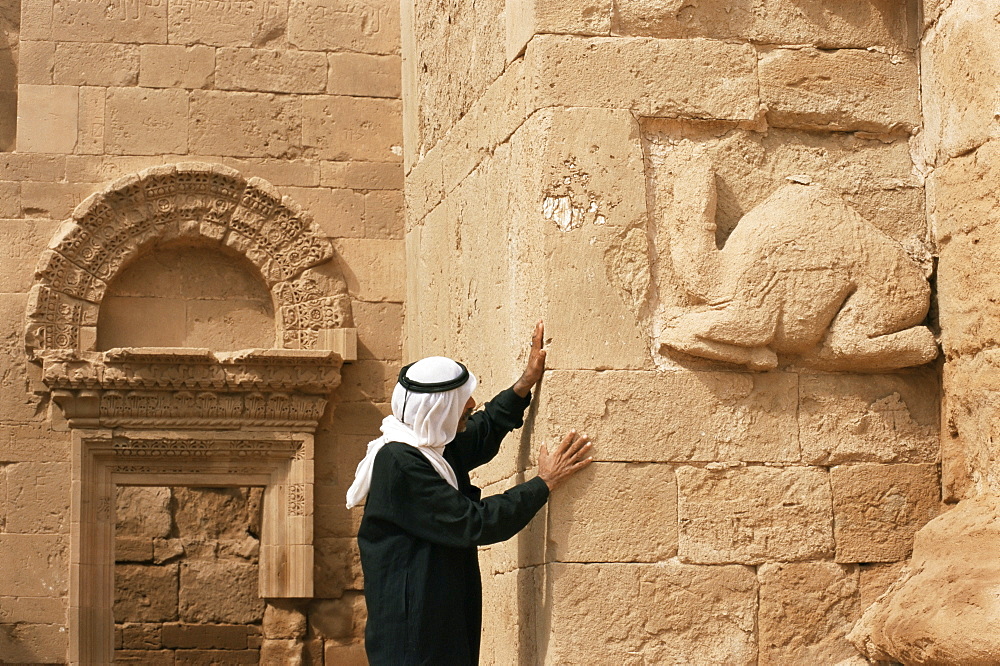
(464, 420)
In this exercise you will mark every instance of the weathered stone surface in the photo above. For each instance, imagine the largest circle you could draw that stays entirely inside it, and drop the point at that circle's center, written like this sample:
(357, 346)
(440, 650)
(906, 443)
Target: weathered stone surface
(92, 22)
(145, 593)
(959, 112)
(369, 28)
(36, 610)
(362, 175)
(512, 616)
(143, 512)
(708, 611)
(638, 79)
(220, 591)
(806, 610)
(243, 124)
(93, 120)
(750, 515)
(255, 24)
(374, 269)
(680, 416)
(364, 75)
(868, 418)
(878, 508)
(133, 549)
(271, 70)
(338, 567)
(145, 121)
(205, 636)
(846, 89)
(347, 655)
(90, 64)
(176, 66)
(283, 619)
(142, 636)
(33, 643)
(380, 330)
(384, 214)
(352, 128)
(837, 24)
(942, 609)
(214, 657)
(340, 213)
(340, 619)
(33, 441)
(26, 241)
(48, 118)
(38, 496)
(35, 62)
(639, 525)
(145, 657)
(212, 513)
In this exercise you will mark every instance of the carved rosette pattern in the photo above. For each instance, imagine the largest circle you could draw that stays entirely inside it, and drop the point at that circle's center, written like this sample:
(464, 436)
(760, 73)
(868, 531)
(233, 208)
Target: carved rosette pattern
(187, 200)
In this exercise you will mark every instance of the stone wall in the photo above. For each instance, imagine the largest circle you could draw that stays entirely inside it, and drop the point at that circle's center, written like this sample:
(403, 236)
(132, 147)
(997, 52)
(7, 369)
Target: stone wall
(297, 92)
(568, 167)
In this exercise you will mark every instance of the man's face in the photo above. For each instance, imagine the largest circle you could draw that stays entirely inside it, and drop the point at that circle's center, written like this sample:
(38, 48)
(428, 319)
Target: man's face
(470, 406)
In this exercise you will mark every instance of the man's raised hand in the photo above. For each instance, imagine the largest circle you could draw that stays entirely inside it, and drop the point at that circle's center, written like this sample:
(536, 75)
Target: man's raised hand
(536, 362)
(569, 457)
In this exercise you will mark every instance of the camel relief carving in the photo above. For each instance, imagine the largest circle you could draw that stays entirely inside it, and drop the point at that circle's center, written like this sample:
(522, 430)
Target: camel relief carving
(802, 275)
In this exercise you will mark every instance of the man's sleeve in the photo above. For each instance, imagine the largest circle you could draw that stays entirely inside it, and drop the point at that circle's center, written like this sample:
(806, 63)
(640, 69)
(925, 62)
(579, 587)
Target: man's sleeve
(423, 504)
(480, 442)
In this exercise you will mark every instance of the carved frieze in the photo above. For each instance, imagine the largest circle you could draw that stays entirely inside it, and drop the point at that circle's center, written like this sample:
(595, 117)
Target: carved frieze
(189, 200)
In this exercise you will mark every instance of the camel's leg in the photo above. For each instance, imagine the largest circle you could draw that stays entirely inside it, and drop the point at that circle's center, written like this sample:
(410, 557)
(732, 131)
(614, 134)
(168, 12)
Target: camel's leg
(846, 348)
(695, 334)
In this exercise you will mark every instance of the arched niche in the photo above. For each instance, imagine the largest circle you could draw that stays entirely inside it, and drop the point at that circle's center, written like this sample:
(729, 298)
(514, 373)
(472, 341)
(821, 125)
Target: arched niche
(183, 415)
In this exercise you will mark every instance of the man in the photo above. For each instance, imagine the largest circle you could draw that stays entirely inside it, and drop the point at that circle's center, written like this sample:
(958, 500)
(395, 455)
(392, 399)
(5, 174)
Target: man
(424, 518)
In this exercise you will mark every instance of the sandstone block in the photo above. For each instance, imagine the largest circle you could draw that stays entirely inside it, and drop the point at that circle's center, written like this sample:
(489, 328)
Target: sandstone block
(212, 513)
(141, 636)
(100, 168)
(338, 567)
(512, 616)
(3, 493)
(52, 200)
(687, 610)
(640, 525)
(845, 89)
(23, 442)
(681, 416)
(145, 593)
(806, 610)
(868, 418)
(176, 66)
(360, 418)
(167, 549)
(374, 269)
(133, 549)
(283, 619)
(353, 128)
(345, 655)
(837, 24)
(242, 124)
(380, 330)
(270, 70)
(38, 497)
(942, 609)
(371, 28)
(96, 64)
(714, 19)
(214, 657)
(205, 636)
(26, 643)
(24, 243)
(35, 63)
(878, 508)
(384, 214)
(27, 166)
(528, 547)
(191, 22)
(707, 79)
(145, 657)
(90, 140)
(36, 20)
(222, 591)
(340, 213)
(591, 17)
(364, 75)
(875, 580)
(143, 512)
(280, 172)
(751, 515)
(958, 110)
(362, 175)
(47, 118)
(146, 121)
(34, 610)
(144, 23)
(282, 651)
(342, 620)
(368, 380)
(43, 569)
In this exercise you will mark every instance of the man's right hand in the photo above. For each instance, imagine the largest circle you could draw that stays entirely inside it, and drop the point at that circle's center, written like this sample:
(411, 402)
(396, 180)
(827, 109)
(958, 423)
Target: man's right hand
(569, 457)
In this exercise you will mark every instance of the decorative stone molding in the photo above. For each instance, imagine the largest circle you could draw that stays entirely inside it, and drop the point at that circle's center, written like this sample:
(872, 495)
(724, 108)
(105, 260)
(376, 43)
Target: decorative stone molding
(209, 202)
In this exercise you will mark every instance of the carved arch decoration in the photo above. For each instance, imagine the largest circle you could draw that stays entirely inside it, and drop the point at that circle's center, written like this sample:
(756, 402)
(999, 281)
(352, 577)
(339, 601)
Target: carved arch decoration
(210, 202)
(185, 416)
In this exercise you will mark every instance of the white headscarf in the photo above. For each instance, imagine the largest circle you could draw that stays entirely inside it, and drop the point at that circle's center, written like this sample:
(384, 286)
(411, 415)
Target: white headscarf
(425, 421)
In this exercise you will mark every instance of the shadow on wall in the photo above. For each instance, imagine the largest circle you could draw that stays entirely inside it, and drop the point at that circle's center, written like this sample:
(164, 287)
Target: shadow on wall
(10, 24)
(187, 296)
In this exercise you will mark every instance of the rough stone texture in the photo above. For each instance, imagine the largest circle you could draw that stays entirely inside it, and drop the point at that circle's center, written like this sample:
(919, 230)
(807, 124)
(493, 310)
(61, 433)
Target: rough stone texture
(868, 418)
(588, 524)
(750, 515)
(146, 593)
(38, 497)
(43, 569)
(176, 66)
(708, 611)
(943, 608)
(90, 64)
(280, 71)
(48, 118)
(33, 643)
(143, 512)
(845, 89)
(352, 128)
(245, 124)
(806, 610)
(219, 591)
(682, 416)
(282, 619)
(205, 636)
(145, 121)
(364, 74)
(878, 508)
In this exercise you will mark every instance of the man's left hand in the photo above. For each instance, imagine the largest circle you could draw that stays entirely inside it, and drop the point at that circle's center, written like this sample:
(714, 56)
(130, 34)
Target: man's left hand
(536, 363)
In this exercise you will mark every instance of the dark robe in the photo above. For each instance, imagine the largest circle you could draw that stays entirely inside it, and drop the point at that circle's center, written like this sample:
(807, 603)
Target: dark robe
(418, 543)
